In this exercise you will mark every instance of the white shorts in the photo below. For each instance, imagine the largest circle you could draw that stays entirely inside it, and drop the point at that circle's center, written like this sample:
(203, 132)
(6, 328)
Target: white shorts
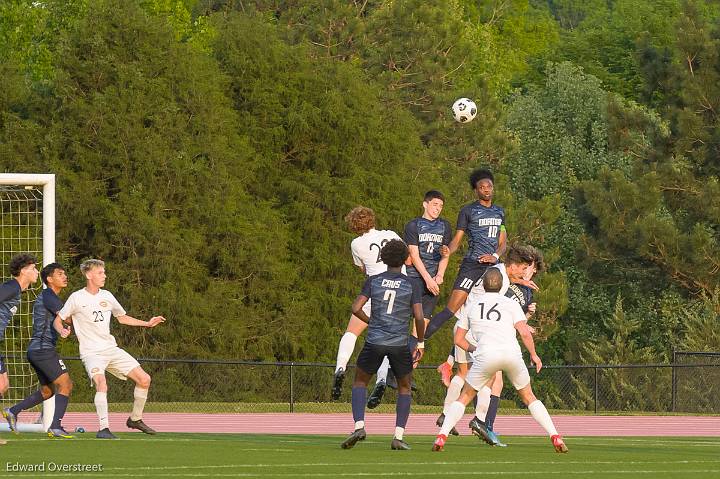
(486, 364)
(462, 356)
(116, 361)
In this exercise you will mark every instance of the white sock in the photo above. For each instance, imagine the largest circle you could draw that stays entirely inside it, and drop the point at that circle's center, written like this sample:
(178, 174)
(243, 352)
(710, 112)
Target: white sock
(101, 406)
(483, 402)
(359, 425)
(541, 415)
(139, 403)
(450, 360)
(454, 414)
(399, 431)
(453, 392)
(383, 371)
(345, 350)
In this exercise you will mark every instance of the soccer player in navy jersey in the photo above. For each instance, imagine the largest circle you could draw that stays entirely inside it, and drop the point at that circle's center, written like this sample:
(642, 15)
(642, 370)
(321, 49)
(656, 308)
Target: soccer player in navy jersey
(484, 224)
(42, 354)
(24, 272)
(395, 299)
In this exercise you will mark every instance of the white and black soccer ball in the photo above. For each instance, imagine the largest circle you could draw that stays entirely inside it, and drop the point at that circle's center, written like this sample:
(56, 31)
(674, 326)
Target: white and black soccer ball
(464, 110)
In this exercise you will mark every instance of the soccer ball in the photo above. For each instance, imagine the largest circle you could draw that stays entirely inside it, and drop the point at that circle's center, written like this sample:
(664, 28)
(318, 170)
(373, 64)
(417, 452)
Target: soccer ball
(464, 110)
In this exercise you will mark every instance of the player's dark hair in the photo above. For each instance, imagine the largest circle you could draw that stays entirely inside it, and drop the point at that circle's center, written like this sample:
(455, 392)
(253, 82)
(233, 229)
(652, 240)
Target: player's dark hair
(492, 280)
(434, 194)
(480, 174)
(19, 261)
(48, 270)
(394, 253)
(539, 259)
(519, 254)
(360, 220)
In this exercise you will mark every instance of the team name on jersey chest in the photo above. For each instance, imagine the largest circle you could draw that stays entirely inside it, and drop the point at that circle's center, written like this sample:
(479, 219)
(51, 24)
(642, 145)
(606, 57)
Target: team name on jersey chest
(489, 222)
(431, 237)
(390, 283)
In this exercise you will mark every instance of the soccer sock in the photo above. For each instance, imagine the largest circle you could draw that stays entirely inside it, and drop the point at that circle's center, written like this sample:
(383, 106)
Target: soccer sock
(541, 415)
(492, 411)
(483, 402)
(359, 398)
(139, 403)
(402, 410)
(437, 321)
(345, 350)
(451, 357)
(31, 401)
(61, 402)
(399, 432)
(454, 414)
(101, 406)
(382, 371)
(453, 392)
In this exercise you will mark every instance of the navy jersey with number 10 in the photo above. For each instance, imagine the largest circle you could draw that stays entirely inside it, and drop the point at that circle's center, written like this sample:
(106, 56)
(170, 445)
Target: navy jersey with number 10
(392, 298)
(483, 226)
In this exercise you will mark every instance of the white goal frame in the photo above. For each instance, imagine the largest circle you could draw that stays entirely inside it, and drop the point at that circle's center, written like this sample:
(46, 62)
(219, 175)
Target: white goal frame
(47, 181)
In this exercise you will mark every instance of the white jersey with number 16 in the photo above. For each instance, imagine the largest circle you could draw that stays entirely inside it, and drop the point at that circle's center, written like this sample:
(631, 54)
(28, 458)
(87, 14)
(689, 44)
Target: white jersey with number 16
(491, 319)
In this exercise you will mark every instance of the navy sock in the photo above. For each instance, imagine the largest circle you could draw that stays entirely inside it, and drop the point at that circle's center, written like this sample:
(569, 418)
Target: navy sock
(31, 401)
(412, 343)
(402, 409)
(492, 411)
(359, 398)
(452, 351)
(61, 402)
(437, 321)
(475, 402)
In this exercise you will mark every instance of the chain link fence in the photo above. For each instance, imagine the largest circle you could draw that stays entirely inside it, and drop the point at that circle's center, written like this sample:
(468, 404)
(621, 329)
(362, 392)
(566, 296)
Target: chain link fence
(689, 385)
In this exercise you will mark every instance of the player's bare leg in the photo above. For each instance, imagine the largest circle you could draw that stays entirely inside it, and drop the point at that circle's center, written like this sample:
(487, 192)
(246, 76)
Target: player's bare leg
(140, 394)
(542, 417)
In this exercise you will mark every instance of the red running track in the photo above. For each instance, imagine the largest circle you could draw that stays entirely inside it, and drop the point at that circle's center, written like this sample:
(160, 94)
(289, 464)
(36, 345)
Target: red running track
(302, 423)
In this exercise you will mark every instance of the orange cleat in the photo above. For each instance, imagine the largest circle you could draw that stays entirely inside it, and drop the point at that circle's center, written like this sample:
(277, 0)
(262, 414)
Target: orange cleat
(445, 371)
(439, 443)
(558, 443)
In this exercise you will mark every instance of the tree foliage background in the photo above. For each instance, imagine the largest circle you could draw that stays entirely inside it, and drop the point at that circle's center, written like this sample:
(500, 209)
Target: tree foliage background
(208, 151)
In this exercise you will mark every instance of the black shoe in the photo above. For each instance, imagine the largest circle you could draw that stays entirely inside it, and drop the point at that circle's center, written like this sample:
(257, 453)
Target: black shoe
(140, 426)
(441, 420)
(357, 435)
(479, 428)
(413, 386)
(376, 396)
(337, 383)
(105, 434)
(399, 445)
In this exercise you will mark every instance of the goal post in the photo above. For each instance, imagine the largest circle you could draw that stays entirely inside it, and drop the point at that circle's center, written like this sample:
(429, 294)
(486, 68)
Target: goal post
(27, 225)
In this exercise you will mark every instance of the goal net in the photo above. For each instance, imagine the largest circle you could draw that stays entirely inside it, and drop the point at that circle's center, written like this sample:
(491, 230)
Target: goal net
(27, 225)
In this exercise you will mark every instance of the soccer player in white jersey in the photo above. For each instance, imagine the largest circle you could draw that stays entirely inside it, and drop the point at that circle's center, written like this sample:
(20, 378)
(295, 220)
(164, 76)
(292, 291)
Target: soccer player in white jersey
(366, 256)
(89, 310)
(494, 321)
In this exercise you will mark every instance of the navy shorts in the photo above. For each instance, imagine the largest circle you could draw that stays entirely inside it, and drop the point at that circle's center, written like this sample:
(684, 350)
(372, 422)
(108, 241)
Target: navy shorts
(429, 300)
(470, 274)
(47, 364)
(372, 356)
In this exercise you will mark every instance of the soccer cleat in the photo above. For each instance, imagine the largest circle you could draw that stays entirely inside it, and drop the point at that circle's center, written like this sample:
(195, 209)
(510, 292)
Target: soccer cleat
(558, 443)
(480, 430)
(439, 443)
(140, 426)
(337, 383)
(441, 420)
(105, 434)
(445, 371)
(399, 445)
(352, 439)
(376, 396)
(59, 433)
(11, 420)
(494, 435)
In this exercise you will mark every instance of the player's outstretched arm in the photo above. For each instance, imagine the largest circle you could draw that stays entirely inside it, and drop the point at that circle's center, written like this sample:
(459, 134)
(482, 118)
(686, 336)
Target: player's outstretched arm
(455, 243)
(130, 321)
(60, 328)
(527, 340)
(357, 307)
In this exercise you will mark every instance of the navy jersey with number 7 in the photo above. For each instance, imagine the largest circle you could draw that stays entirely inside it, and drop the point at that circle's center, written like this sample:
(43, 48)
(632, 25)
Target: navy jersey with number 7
(392, 298)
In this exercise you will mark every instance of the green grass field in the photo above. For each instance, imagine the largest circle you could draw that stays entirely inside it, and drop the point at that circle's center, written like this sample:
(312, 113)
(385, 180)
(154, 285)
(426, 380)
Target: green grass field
(242, 455)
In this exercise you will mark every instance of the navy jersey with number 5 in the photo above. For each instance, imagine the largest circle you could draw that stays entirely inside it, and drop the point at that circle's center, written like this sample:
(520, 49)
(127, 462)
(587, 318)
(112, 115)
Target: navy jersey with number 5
(392, 298)
(428, 236)
(46, 307)
(482, 224)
